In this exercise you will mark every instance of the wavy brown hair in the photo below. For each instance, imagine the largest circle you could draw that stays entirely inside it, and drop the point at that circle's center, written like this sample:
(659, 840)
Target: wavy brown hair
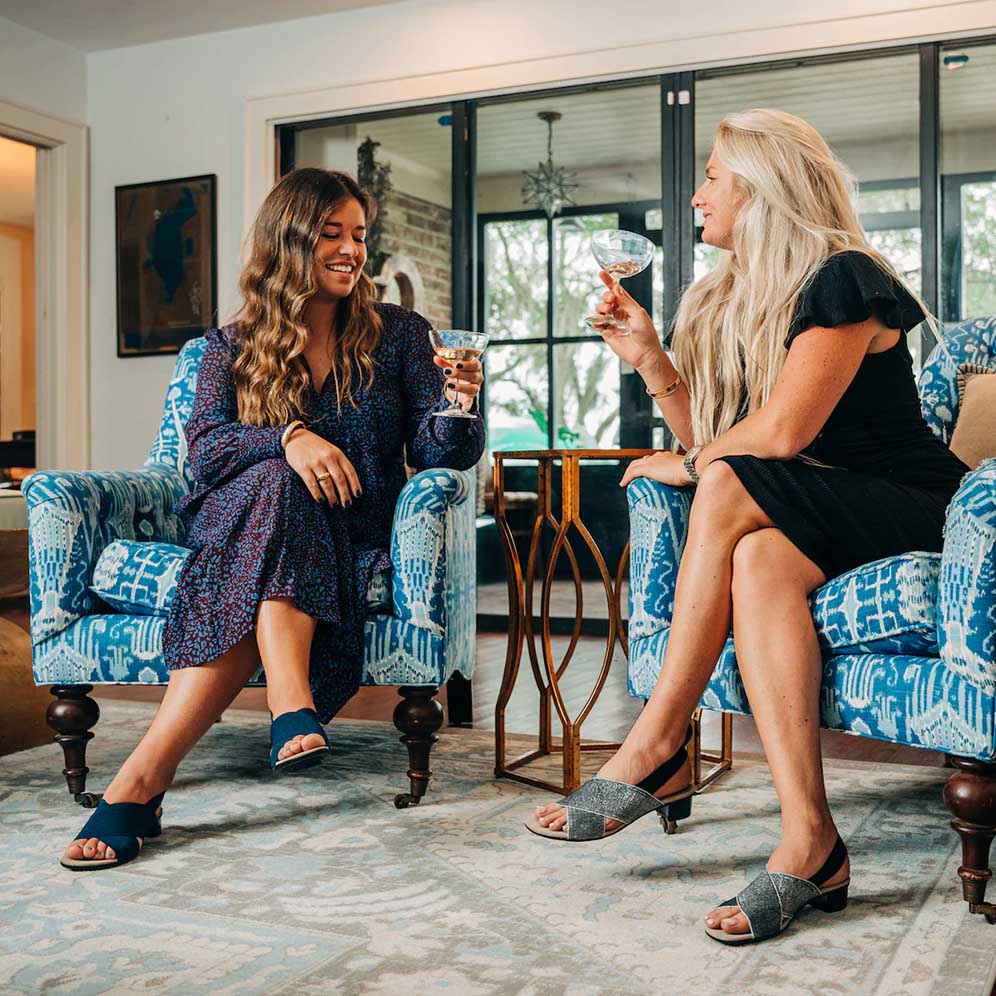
(270, 373)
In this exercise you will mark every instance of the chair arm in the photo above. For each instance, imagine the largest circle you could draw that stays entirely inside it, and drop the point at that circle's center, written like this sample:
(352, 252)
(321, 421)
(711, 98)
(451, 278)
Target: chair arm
(72, 516)
(966, 616)
(658, 522)
(434, 551)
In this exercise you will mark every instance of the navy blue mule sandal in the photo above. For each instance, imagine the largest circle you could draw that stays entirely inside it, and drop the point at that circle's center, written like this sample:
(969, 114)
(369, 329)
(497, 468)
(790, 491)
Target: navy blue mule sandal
(121, 826)
(286, 727)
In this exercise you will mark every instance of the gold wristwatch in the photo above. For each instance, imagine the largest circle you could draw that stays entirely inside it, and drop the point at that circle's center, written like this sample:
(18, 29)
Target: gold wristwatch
(689, 464)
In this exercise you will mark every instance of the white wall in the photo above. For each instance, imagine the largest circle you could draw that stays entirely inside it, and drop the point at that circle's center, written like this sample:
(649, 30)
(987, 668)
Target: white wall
(178, 108)
(40, 73)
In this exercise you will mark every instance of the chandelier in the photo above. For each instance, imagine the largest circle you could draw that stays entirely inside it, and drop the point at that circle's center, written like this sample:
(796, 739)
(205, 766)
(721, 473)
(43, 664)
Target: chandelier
(549, 187)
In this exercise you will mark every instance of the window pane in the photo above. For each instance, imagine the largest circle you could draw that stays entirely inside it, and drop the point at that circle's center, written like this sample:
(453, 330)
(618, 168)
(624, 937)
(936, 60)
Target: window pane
(609, 139)
(515, 261)
(586, 406)
(867, 110)
(978, 249)
(575, 272)
(968, 182)
(517, 395)
(415, 212)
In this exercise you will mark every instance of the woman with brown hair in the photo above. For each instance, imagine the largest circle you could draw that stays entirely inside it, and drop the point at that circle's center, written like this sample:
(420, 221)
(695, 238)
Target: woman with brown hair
(303, 411)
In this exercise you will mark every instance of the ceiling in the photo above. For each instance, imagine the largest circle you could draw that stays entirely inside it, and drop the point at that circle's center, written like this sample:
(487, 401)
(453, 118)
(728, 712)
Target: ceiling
(854, 104)
(17, 183)
(90, 25)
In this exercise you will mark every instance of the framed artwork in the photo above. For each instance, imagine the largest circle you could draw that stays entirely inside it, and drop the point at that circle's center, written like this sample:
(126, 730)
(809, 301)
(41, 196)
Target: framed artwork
(166, 254)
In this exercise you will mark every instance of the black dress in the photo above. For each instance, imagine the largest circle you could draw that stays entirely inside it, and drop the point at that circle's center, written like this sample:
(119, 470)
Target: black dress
(889, 478)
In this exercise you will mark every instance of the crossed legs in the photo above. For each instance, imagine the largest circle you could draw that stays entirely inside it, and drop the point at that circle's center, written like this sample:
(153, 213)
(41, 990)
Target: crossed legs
(197, 696)
(781, 666)
(738, 570)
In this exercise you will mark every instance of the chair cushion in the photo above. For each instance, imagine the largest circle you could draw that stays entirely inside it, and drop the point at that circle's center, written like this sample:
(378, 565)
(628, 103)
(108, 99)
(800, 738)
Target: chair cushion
(886, 607)
(140, 578)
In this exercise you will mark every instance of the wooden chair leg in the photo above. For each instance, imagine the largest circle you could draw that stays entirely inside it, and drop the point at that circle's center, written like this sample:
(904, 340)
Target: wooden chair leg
(418, 716)
(971, 795)
(459, 701)
(71, 715)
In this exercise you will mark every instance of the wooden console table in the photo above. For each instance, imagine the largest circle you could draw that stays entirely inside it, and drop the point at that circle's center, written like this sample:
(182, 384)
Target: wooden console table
(522, 627)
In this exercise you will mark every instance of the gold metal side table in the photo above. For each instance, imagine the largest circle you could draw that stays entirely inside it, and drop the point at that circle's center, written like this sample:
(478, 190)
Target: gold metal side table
(522, 627)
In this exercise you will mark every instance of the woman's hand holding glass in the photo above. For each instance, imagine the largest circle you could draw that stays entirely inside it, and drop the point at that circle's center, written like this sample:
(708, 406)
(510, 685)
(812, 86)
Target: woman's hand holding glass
(642, 347)
(324, 468)
(464, 380)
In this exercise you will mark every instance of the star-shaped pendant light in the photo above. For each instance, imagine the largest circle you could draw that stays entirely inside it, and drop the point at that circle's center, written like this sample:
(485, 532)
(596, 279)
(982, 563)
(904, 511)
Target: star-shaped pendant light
(549, 187)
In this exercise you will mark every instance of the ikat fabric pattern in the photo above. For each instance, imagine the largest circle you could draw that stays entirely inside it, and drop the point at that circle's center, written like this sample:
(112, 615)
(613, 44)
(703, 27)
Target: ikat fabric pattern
(909, 642)
(887, 606)
(972, 342)
(966, 627)
(75, 516)
(138, 577)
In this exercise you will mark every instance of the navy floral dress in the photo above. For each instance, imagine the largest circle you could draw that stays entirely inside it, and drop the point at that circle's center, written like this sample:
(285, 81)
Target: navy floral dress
(256, 532)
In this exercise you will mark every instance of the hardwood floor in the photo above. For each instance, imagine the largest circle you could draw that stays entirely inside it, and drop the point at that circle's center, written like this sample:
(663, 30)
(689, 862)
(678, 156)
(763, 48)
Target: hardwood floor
(610, 719)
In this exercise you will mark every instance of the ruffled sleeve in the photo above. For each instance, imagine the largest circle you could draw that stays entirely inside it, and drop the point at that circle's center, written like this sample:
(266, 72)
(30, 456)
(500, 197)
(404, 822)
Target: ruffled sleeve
(850, 288)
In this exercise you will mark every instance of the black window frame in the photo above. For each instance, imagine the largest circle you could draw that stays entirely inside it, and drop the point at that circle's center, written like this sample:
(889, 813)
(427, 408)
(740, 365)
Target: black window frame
(638, 417)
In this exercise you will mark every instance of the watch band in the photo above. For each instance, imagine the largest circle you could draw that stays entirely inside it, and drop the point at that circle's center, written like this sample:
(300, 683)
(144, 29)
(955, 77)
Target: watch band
(689, 464)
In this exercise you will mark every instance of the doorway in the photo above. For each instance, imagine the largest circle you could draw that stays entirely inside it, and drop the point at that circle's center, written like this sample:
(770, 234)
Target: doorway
(17, 310)
(61, 311)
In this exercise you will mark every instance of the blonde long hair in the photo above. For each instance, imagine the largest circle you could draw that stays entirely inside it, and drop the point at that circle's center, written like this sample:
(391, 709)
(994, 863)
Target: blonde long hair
(797, 209)
(270, 373)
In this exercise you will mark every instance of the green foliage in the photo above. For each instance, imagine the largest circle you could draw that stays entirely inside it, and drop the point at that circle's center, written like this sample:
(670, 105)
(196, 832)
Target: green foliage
(586, 400)
(978, 233)
(375, 178)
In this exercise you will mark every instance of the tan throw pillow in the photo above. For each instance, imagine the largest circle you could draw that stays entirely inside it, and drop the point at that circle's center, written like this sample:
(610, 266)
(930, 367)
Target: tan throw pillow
(974, 436)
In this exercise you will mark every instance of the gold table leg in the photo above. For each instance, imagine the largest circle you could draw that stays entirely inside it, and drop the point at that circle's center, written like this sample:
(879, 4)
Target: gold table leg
(546, 672)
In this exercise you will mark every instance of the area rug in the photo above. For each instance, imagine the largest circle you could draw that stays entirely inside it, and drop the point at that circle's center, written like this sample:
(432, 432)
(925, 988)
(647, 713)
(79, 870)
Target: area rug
(315, 884)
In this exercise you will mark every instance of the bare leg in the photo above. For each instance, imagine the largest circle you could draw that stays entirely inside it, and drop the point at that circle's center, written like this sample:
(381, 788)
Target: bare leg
(284, 634)
(781, 666)
(194, 699)
(722, 514)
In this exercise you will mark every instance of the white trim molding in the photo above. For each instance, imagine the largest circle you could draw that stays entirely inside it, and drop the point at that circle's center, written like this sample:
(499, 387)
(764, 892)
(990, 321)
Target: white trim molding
(62, 325)
(813, 33)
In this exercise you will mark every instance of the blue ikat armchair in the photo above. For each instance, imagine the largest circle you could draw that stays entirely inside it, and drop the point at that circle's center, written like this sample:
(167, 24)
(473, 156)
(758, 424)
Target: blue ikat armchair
(909, 642)
(105, 549)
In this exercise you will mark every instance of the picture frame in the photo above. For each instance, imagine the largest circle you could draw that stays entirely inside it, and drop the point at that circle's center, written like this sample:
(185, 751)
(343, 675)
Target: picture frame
(166, 263)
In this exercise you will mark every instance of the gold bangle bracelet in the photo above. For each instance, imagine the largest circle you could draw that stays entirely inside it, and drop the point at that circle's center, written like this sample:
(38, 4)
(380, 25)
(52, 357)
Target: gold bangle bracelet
(667, 391)
(288, 432)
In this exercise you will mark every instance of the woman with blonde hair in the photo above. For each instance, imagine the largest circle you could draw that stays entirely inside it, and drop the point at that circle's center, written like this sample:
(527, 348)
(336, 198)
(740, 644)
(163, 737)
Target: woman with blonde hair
(793, 395)
(304, 408)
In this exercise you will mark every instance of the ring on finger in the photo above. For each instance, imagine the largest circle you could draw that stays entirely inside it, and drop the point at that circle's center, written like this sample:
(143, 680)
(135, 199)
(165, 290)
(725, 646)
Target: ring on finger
(323, 477)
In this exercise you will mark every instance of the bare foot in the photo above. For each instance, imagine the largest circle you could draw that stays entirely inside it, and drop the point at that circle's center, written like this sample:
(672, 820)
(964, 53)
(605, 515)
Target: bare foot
(630, 765)
(803, 859)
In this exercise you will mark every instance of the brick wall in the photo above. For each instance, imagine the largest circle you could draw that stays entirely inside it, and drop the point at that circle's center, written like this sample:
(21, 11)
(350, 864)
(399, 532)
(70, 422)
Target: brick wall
(423, 231)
